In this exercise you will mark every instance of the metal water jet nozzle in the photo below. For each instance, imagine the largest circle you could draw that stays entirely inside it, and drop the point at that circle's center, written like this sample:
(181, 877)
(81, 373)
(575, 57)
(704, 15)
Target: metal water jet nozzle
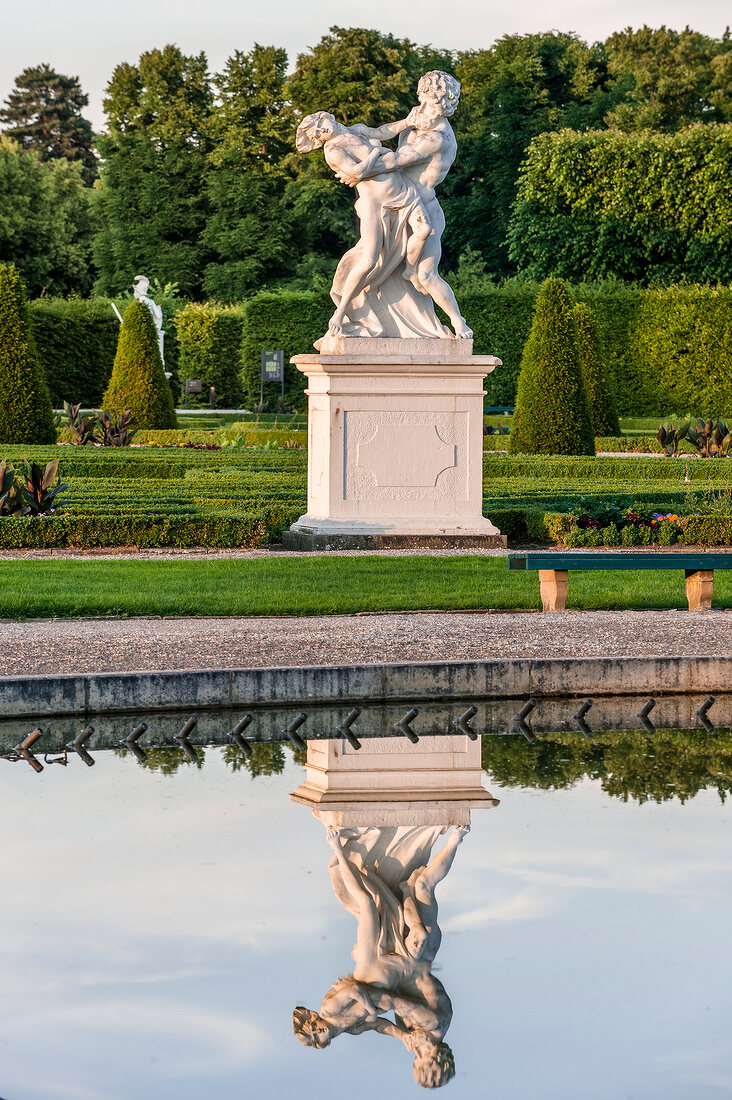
(462, 723)
(236, 734)
(701, 714)
(78, 746)
(185, 744)
(345, 728)
(643, 715)
(292, 729)
(403, 725)
(130, 742)
(24, 753)
(579, 718)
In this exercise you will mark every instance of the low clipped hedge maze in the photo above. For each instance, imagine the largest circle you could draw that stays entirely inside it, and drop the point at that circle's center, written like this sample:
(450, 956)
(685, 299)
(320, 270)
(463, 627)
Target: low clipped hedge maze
(150, 497)
(174, 496)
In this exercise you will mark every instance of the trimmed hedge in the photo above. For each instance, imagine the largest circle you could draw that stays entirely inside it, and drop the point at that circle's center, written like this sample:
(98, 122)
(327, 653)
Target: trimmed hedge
(602, 407)
(665, 351)
(209, 342)
(636, 206)
(76, 341)
(87, 531)
(501, 322)
(25, 405)
(138, 382)
(289, 320)
(552, 414)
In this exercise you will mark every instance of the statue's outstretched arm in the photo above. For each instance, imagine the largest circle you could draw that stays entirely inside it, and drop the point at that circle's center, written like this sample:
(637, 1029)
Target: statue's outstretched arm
(381, 133)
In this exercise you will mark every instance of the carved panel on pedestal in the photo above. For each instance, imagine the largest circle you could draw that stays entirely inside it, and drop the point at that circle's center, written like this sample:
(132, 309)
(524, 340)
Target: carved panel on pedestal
(410, 455)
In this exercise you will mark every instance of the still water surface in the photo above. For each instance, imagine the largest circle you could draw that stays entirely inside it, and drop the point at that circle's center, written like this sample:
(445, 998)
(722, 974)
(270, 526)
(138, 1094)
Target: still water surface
(157, 930)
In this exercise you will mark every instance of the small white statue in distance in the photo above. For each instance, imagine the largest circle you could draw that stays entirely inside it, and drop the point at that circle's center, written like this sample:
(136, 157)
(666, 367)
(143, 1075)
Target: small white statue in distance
(141, 286)
(386, 285)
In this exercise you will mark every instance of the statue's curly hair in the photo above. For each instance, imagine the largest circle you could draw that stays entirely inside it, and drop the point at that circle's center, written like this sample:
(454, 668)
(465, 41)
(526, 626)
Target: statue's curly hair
(443, 88)
(304, 140)
(434, 1069)
(304, 1022)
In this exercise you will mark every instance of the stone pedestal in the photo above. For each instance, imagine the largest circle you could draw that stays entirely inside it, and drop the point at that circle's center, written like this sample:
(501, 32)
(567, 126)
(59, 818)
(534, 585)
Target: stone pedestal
(395, 438)
(391, 782)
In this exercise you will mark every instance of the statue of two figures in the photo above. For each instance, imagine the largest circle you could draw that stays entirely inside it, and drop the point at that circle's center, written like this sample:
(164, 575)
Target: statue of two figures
(388, 284)
(387, 877)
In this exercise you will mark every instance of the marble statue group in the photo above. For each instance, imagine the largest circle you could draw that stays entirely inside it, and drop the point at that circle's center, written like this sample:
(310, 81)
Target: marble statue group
(387, 878)
(388, 284)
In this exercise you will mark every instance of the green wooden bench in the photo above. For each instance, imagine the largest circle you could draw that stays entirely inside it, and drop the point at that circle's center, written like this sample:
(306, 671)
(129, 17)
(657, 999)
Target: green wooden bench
(554, 567)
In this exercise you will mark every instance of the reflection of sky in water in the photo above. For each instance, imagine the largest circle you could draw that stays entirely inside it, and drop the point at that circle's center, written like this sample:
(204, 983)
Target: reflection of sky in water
(157, 931)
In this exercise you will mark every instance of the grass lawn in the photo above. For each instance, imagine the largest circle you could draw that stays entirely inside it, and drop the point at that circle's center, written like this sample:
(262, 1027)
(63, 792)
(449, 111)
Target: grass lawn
(316, 586)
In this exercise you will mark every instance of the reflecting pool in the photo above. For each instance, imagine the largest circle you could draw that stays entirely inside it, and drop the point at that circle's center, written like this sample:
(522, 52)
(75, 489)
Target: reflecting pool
(489, 914)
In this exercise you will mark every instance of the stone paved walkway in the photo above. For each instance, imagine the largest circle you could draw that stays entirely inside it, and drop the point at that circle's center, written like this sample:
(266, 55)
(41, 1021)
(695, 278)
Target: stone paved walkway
(47, 647)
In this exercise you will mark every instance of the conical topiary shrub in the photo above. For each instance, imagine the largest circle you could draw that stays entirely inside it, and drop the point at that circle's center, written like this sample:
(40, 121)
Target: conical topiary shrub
(138, 381)
(552, 415)
(26, 415)
(602, 407)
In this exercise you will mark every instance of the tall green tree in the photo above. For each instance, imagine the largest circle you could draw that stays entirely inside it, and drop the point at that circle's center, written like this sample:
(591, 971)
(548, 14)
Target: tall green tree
(248, 230)
(26, 415)
(152, 201)
(45, 222)
(520, 87)
(43, 114)
(359, 75)
(669, 79)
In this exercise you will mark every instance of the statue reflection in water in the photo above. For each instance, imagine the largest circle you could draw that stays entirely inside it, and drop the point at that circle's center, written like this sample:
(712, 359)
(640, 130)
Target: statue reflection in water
(386, 875)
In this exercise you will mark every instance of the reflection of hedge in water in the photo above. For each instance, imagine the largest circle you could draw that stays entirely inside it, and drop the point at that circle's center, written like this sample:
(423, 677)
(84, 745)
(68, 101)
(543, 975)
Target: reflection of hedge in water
(268, 758)
(631, 766)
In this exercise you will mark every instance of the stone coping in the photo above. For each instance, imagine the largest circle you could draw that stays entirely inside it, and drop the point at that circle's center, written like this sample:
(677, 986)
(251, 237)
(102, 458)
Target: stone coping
(149, 691)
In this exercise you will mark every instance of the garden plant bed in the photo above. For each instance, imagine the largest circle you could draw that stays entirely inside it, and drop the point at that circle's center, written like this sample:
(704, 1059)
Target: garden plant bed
(161, 496)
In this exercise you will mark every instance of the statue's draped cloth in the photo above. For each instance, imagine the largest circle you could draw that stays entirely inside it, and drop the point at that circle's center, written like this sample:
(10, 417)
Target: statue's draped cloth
(387, 859)
(390, 306)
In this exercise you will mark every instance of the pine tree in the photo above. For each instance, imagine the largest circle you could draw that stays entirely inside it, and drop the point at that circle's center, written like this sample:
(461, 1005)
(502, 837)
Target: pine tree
(43, 114)
(602, 406)
(138, 381)
(552, 414)
(26, 415)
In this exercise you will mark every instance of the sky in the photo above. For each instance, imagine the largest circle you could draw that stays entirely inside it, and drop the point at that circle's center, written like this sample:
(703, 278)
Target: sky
(86, 38)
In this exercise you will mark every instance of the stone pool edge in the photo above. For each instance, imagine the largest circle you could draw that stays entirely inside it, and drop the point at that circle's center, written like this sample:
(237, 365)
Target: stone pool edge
(41, 696)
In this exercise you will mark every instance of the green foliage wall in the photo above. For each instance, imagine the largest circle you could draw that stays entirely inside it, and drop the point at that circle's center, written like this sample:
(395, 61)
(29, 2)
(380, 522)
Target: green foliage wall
(76, 342)
(602, 407)
(288, 320)
(500, 318)
(640, 207)
(209, 342)
(664, 351)
(680, 345)
(26, 415)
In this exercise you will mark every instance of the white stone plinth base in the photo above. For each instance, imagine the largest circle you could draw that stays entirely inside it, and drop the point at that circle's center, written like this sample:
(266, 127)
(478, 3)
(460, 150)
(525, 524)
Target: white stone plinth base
(391, 782)
(395, 445)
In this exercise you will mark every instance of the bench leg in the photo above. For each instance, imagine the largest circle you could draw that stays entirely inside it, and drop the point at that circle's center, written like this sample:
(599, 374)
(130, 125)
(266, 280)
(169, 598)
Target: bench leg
(553, 585)
(699, 585)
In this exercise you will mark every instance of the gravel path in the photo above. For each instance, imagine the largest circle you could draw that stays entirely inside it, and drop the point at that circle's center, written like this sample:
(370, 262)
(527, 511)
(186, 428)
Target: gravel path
(46, 647)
